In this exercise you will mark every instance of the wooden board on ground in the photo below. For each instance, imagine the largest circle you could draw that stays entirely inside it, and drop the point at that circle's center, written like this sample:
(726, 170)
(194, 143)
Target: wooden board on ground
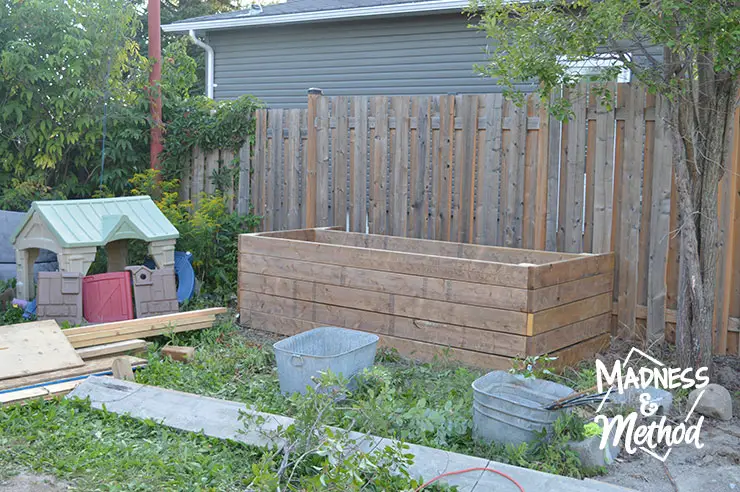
(125, 347)
(92, 367)
(87, 336)
(181, 354)
(46, 392)
(33, 348)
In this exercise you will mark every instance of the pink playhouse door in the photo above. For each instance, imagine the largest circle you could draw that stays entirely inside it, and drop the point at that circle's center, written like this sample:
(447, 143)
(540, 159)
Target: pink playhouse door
(107, 297)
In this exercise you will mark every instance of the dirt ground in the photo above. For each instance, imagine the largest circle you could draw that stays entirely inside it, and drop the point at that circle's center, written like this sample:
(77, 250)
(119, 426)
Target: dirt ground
(714, 468)
(27, 482)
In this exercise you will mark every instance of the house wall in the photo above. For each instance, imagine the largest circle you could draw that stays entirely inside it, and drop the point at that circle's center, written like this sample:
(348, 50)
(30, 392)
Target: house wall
(420, 55)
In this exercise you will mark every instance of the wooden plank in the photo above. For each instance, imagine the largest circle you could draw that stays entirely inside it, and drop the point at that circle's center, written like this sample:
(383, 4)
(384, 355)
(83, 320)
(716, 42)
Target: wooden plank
(177, 353)
(323, 214)
(378, 165)
(497, 320)
(585, 350)
(673, 245)
(409, 348)
(542, 142)
(629, 229)
(46, 392)
(227, 168)
(186, 178)
(121, 335)
(728, 203)
(603, 172)
(415, 285)
(575, 164)
(441, 248)
(435, 168)
(553, 181)
(515, 157)
(553, 340)
(567, 292)
(36, 347)
(358, 166)
(465, 160)
(489, 175)
(309, 189)
(588, 205)
(91, 367)
(623, 93)
(275, 213)
(211, 171)
(340, 159)
(660, 218)
(260, 162)
(243, 201)
(529, 185)
(304, 168)
(116, 348)
(444, 160)
(399, 177)
(122, 369)
(145, 322)
(197, 186)
(385, 324)
(646, 209)
(569, 270)
(562, 182)
(293, 169)
(419, 163)
(567, 314)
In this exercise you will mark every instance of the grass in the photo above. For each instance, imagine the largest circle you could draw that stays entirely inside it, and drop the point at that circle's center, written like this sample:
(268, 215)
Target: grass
(428, 404)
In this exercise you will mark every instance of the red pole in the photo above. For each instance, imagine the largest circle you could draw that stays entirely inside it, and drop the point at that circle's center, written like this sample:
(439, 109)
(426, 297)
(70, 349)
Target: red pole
(155, 96)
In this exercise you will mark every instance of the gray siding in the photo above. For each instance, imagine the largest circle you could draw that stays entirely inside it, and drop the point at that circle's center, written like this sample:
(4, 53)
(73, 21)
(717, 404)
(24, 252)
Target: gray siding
(420, 55)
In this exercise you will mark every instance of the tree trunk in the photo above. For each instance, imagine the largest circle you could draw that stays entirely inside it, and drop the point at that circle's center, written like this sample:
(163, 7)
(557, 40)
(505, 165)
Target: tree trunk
(701, 155)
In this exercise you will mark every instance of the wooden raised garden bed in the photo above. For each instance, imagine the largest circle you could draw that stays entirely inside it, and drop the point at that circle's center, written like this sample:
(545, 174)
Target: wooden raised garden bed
(487, 304)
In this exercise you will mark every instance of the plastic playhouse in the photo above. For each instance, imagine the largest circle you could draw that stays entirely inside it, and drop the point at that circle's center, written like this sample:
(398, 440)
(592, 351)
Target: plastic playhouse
(74, 229)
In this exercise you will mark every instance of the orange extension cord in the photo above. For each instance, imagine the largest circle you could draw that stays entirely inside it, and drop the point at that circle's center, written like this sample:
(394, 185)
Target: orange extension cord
(467, 470)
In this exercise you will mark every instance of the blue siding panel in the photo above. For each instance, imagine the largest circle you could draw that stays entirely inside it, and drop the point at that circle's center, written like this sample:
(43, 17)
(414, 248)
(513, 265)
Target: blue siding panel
(419, 55)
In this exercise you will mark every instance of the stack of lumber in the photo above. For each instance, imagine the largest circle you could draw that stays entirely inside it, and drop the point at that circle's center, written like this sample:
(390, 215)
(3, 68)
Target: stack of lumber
(39, 360)
(87, 336)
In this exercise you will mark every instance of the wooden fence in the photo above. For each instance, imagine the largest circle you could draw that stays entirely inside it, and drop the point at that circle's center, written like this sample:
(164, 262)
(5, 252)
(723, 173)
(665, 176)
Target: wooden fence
(480, 169)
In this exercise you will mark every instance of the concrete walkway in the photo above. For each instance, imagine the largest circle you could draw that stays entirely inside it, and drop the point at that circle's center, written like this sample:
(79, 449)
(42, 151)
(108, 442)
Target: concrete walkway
(220, 419)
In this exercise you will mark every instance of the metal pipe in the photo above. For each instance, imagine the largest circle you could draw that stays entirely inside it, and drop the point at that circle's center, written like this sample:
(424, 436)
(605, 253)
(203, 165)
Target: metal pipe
(209, 63)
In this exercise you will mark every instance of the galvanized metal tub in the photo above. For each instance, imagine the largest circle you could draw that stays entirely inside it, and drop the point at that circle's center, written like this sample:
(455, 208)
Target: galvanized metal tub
(303, 356)
(508, 408)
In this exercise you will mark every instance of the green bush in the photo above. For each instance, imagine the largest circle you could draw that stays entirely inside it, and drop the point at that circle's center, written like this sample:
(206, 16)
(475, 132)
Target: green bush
(209, 231)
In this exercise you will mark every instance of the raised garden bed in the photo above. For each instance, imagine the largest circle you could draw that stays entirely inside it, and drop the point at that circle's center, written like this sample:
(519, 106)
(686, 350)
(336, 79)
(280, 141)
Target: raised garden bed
(487, 304)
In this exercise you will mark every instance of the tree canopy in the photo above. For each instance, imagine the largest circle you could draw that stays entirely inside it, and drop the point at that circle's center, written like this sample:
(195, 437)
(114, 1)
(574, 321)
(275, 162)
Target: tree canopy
(684, 50)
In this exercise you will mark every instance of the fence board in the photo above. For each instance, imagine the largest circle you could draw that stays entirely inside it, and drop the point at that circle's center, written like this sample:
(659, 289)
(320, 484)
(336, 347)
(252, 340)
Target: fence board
(541, 176)
(588, 206)
(435, 169)
(260, 161)
(643, 257)
(399, 172)
(323, 216)
(659, 224)
(603, 172)
(293, 170)
(629, 233)
(444, 177)
(197, 184)
(514, 160)
(340, 162)
(575, 164)
(489, 175)
(358, 166)
(419, 163)
(211, 170)
(529, 201)
(378, 164)
(553, 181)
(245, 163)
(465, 158)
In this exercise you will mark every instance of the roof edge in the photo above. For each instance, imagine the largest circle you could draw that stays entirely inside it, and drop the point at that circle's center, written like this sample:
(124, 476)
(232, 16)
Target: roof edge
(434, 6)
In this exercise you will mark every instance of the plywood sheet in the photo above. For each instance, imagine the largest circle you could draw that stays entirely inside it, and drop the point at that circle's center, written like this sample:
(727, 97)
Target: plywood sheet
(34, 348)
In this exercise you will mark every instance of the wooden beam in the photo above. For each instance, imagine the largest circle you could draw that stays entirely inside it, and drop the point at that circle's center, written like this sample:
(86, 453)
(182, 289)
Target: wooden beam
(124, 347)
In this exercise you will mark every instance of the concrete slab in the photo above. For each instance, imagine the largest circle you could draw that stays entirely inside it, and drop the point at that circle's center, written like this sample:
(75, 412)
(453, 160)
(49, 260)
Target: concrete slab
(221, 419)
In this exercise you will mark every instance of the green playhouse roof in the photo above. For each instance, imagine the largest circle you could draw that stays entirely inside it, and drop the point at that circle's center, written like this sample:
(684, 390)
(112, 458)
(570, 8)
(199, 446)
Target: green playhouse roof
(96, 222)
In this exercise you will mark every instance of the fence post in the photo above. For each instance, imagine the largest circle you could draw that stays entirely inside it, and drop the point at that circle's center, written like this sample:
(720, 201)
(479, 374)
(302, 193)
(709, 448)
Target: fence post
(311, 158)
